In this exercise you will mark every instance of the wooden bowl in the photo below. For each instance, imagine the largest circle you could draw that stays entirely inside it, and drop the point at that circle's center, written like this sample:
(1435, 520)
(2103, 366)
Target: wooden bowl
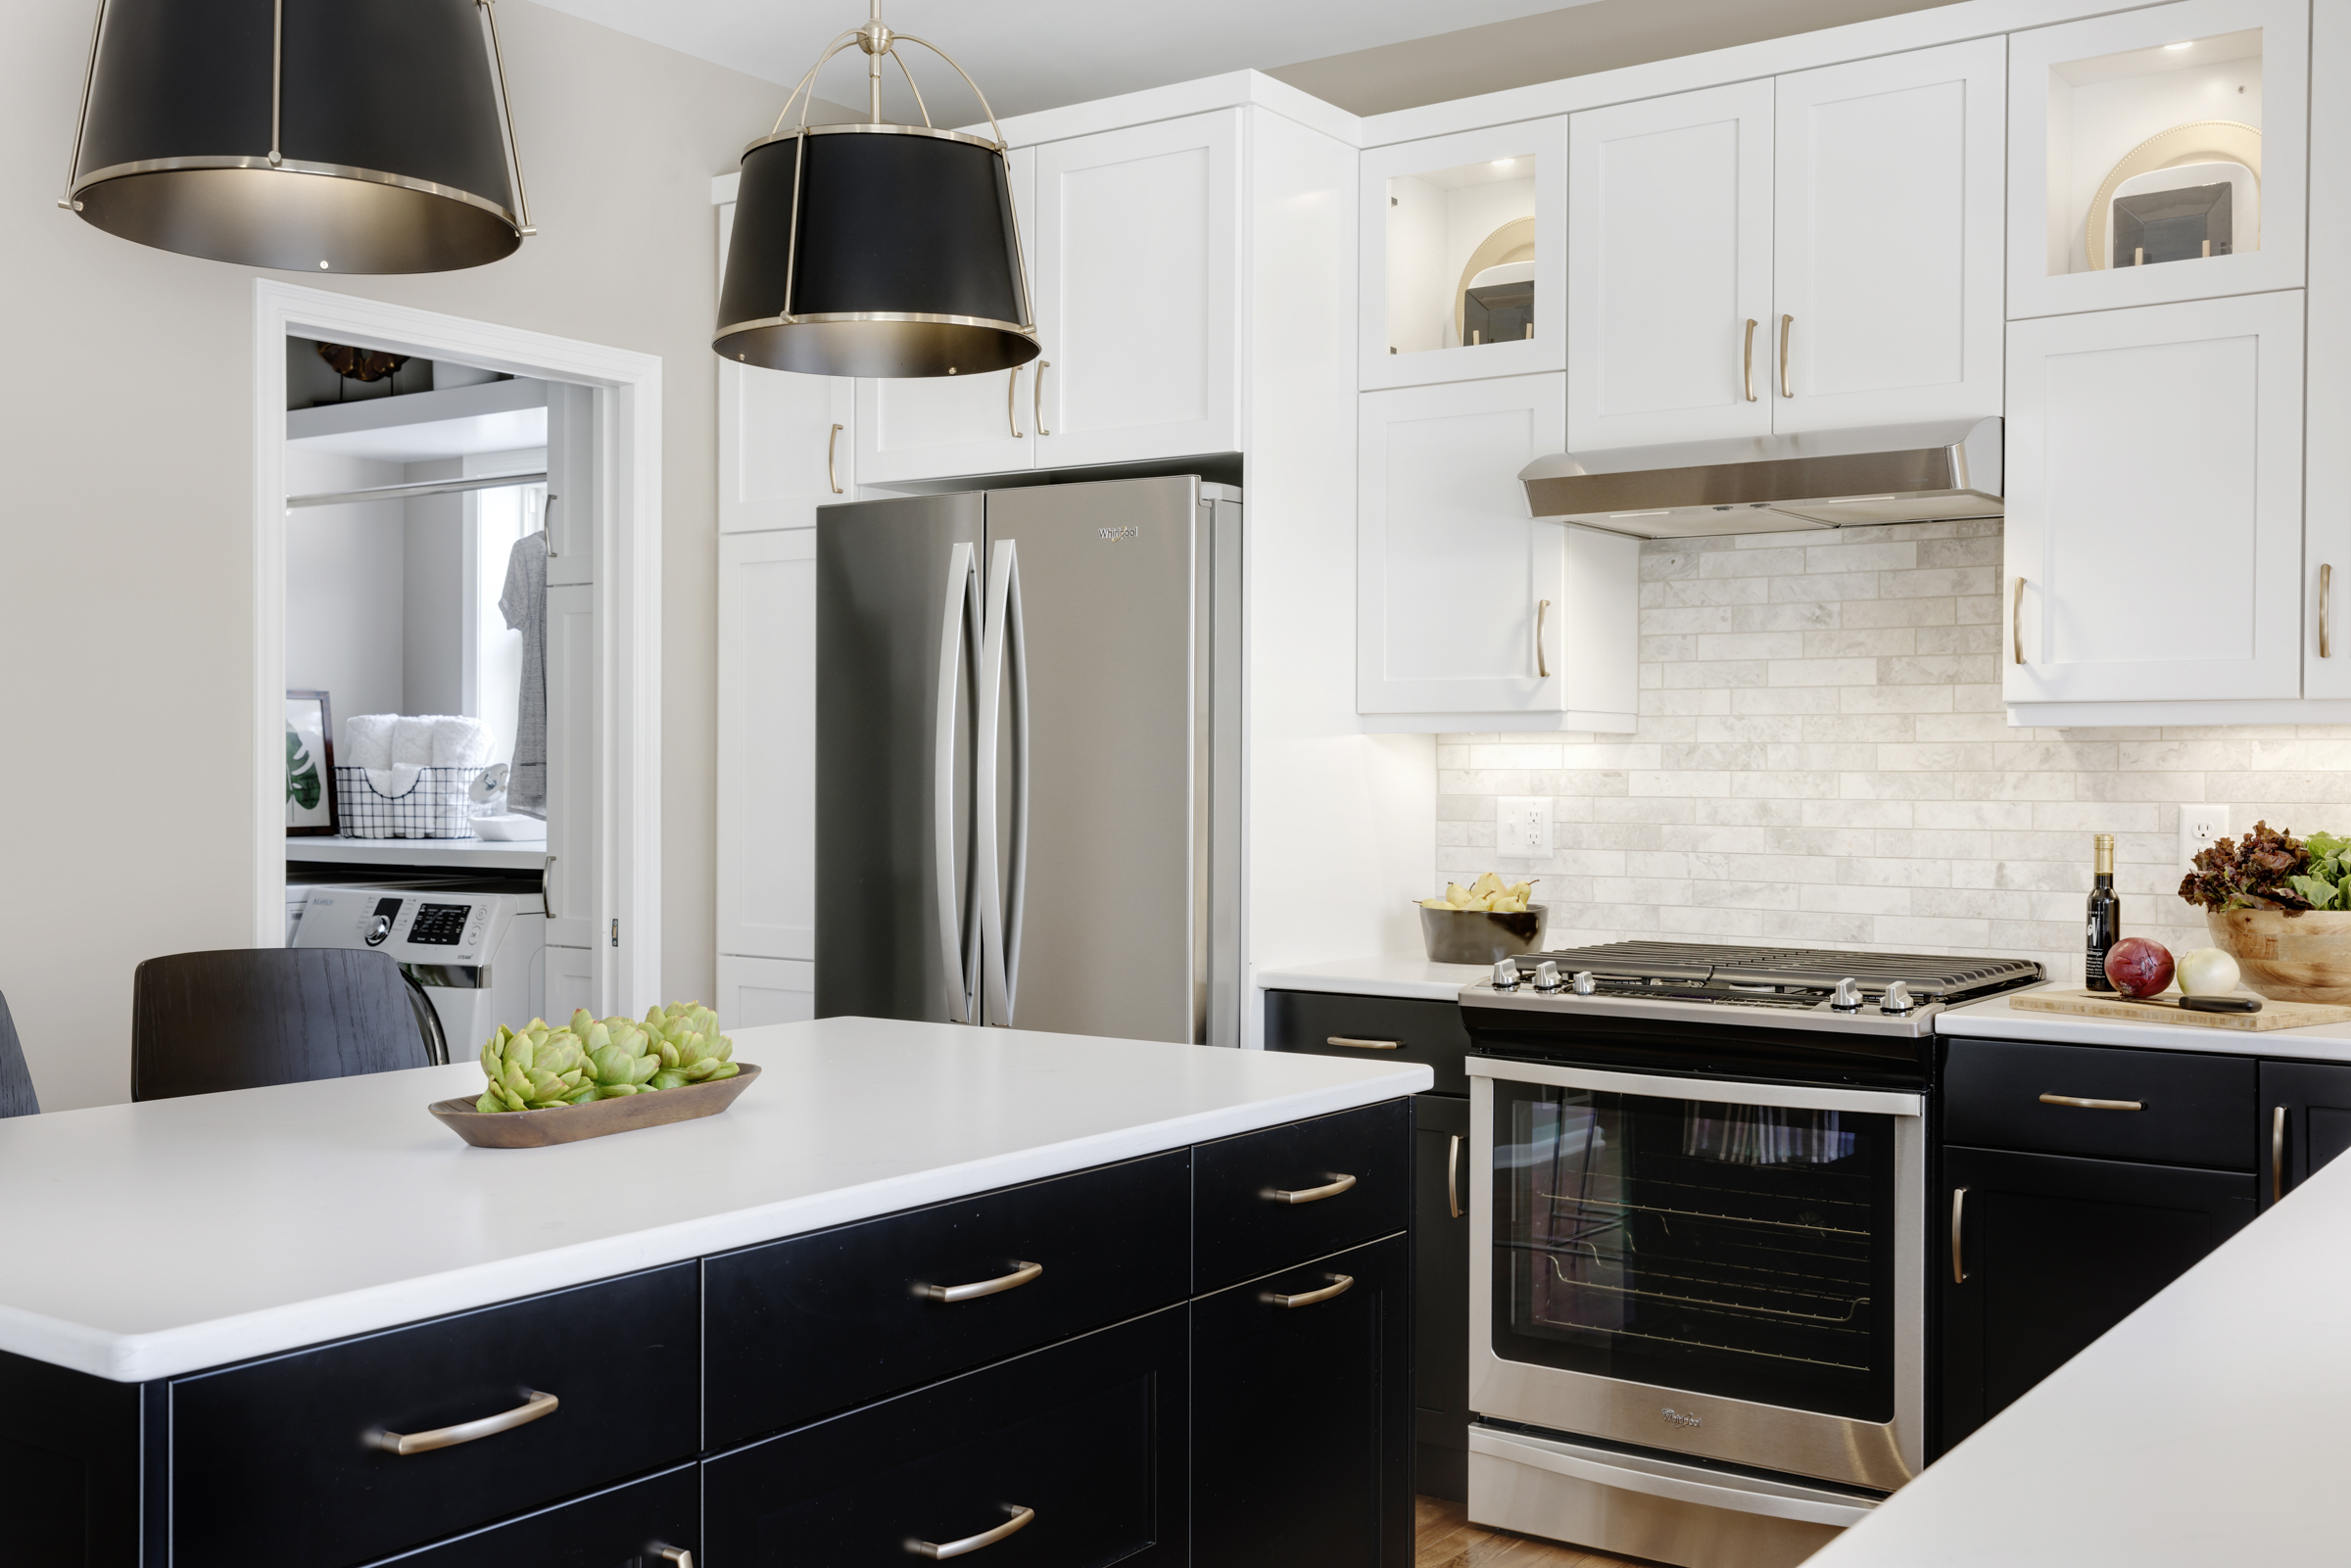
(598, 1118)
(2303, 957)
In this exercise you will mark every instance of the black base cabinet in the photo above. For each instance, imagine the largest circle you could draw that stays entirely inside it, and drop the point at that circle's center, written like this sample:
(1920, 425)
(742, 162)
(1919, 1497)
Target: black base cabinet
(2306, 1121)
(1441, 1295)
(627, 1527)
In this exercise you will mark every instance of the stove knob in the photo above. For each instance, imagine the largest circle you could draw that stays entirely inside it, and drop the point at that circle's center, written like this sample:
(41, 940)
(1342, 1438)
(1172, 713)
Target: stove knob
(1847, 998)
(1547, 976)
(1898, 998)
(1506, 975)
(1583, 983)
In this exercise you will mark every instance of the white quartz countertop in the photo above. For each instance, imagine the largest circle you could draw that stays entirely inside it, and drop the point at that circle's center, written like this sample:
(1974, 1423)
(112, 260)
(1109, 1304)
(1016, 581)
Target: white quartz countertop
(1997, 1019)
(143, 1241)
(2205, 1428)
(1396, 974)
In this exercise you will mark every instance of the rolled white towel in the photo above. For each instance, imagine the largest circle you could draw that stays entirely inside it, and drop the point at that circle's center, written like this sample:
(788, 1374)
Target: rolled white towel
(397, 780)
(367, 739)
(412, 742)
(462, 742)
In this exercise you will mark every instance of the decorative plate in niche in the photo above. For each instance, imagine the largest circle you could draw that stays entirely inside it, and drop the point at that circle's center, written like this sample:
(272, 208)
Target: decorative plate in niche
(1514, 241)
(2199, 141)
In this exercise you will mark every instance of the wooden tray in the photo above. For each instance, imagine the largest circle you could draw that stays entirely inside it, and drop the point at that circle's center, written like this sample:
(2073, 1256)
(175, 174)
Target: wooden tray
(570, 1123)
(2166, 1009)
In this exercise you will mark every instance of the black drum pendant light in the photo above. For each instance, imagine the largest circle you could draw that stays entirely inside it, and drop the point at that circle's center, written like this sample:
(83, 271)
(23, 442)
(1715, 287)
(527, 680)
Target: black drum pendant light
(313, 135)
(876, 250)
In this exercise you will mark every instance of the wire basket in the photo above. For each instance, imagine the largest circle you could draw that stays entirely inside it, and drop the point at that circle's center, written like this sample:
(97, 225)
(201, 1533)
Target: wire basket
(440, 804)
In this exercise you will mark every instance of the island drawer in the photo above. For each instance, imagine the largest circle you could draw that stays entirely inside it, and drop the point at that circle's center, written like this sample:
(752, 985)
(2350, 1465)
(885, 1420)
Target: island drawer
(858, 1306)
(2192, 1109)
(277, 1461)
(1086, 1440)
(625, 1527)
(1269, 1200)
(1371, 1029)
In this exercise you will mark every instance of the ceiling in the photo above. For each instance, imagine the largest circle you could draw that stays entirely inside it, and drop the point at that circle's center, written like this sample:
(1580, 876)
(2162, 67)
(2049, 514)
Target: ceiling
(1366, 56)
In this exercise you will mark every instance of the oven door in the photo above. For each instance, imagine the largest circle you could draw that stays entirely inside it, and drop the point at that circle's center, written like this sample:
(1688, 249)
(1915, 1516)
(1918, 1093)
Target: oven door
(1728, 1270)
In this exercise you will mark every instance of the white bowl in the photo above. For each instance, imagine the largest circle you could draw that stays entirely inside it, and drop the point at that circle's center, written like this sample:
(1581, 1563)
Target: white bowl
(509, 828)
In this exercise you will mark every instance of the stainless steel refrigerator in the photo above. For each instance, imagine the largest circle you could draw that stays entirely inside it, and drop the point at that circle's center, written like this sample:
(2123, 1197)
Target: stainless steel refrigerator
(1029, 759)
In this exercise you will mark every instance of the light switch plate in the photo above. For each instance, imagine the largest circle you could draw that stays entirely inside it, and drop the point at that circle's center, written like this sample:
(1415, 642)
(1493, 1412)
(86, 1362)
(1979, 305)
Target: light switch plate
(2200, 828)
(1523, 827)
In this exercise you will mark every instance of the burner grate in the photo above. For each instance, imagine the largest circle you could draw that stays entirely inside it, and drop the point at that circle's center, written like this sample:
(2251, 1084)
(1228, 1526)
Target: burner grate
(1799, 968)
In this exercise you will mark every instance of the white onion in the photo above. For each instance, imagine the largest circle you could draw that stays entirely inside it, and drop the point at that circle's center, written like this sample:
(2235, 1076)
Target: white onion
(2206, 972)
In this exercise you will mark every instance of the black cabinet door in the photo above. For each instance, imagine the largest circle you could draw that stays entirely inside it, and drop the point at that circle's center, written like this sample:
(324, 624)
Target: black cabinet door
(2305, 1122)
(1441, 1295)
(1079, 1448)
(2051, 1252)
(626, 1527)
(1302, 1417)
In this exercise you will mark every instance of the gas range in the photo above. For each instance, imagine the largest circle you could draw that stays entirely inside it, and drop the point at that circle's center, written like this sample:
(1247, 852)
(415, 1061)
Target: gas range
(1786, 987)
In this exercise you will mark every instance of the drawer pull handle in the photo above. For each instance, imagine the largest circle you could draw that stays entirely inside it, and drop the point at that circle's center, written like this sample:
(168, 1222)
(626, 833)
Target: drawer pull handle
(677, 1554)
(2079, 1103)
(940, 1550)
(1311, 1195)
(1022, 1274)
(1341, 1285)
(1958, 1214)
(1363, 1045)
(2278, 1155)
(1452, 1175)
(530, 1409)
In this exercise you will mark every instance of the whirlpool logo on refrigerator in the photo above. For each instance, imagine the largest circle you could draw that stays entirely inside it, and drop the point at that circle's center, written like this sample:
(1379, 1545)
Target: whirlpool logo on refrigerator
(1127, 532)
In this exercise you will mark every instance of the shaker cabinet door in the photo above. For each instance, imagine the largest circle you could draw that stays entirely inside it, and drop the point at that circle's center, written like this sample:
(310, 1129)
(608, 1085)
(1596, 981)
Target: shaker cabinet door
(767, 744)
(2305, 1122)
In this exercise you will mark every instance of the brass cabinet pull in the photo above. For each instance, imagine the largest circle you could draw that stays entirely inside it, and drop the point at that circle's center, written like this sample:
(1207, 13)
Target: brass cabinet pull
(1038, 406)
(1341, 1285)
(1012, 386)
(1312, 1195)
(2278, 1154)
(940, 1550)
(2079, 1103)
(1022, 1274)
(1746, 363)
(677, 1554)
(1958, 1212)
(1787, 390)
(1453, 1176)
(1541, 661)
(832, 474)
(534, 1405)
(2325, 593)
(2016, 624)
(1363, 1045)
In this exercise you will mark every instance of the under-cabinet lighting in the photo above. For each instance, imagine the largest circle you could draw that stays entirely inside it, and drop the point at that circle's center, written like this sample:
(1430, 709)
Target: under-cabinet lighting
(1851, 500)
(2190, 44)
(1504, 162)
(1661, 513)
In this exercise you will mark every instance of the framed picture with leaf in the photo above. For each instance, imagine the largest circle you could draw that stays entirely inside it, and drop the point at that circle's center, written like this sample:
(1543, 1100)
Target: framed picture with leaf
(310, 811)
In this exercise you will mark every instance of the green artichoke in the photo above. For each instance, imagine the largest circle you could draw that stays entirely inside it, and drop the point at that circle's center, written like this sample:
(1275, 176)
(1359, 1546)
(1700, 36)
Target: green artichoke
(588, 1059)
(621, 1058)
(535, 1069)
(692, 1050)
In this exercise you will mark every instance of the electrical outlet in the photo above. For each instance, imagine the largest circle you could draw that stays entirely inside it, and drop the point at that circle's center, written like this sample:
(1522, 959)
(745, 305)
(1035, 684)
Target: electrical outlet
(2200, 828)
(1523, 827)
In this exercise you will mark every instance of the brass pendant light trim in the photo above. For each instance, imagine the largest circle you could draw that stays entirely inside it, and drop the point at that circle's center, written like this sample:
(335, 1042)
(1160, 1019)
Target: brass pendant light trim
(859, 128)
(914, 316)
(295, 165)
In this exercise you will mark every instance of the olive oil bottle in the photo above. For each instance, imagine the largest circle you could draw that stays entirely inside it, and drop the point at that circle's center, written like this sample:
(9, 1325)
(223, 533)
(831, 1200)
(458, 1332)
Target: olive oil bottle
(2105, 924)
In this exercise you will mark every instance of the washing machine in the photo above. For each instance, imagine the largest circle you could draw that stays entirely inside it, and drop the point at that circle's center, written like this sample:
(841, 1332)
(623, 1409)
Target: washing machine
(480, 958)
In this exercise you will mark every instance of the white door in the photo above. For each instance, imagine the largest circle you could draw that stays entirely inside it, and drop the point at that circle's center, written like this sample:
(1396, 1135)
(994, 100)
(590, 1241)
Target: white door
(934, 427)
(752, 991)
(571, 498)
(767, 744)
(1888, 197)
(2154, 529)
(570, 982)
(1669, 263)
(1452, 574)
(1137, 268)
(572, 755)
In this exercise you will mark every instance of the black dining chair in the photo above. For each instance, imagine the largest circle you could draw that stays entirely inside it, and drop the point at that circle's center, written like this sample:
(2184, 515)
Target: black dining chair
(16, 1098)
(248, 1017)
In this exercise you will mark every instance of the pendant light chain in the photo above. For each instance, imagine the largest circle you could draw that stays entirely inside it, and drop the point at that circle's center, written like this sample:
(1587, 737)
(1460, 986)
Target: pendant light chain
(89, 74)
(506, 118)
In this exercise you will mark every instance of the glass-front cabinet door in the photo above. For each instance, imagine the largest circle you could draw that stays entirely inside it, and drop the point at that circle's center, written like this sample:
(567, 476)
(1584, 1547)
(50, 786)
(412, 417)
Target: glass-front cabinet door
(1729, 1269)
(1464, 259)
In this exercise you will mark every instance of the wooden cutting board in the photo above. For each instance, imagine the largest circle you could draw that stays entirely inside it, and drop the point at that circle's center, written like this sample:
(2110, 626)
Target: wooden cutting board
(2167, 1009)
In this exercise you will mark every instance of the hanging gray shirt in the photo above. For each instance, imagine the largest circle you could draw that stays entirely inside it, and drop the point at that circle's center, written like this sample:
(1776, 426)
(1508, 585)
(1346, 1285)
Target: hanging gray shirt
(524, 606)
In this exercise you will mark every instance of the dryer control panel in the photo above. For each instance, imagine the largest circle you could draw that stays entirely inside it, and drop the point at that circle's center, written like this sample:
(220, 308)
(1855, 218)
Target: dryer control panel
(415, 927)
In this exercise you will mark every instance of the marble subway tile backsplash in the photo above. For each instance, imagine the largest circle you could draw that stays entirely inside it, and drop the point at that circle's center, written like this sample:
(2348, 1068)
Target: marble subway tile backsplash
(1823, 759)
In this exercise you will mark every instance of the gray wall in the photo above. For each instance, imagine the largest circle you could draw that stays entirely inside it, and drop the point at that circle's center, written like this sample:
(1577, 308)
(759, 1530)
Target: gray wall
(125, 546)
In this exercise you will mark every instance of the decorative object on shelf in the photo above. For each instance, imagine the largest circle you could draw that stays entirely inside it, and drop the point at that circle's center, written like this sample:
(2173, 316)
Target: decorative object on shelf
(311, 802)
(870, 249)
(1512, 293)
(311, 136)
(2200, 152)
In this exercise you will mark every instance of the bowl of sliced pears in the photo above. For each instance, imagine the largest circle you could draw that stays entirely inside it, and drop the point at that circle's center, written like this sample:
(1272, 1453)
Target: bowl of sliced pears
(1488, 920)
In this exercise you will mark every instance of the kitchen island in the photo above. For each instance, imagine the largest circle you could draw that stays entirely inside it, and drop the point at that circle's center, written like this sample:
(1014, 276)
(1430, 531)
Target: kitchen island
(911, 1256)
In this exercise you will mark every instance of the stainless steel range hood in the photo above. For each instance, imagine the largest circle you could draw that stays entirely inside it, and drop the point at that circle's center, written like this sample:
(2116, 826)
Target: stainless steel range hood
(1776, 484)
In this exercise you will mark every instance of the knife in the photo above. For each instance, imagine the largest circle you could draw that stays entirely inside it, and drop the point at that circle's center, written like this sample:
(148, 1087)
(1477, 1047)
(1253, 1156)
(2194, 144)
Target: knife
(2199, 1004)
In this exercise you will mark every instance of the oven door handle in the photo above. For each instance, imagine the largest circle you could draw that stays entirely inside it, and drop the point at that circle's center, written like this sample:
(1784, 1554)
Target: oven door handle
(1707, 1091)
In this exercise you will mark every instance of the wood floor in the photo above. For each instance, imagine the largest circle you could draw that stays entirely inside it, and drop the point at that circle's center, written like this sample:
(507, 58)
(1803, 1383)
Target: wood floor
(1444, 1538)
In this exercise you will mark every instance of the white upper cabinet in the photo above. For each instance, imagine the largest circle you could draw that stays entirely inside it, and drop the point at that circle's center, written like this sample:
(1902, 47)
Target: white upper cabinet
(1470, 615)
(2154, 528)
(934, 427)
(1137, 271)
(2157, 154)
(767, 744)
(1669, 270)
(785, 441)
(1464, 255)
(1887, 212)
(571, 498)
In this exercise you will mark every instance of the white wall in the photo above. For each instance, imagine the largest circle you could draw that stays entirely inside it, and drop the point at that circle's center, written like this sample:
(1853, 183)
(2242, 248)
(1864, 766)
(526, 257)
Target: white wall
(127, 535)
(435, 609)
(344, 599)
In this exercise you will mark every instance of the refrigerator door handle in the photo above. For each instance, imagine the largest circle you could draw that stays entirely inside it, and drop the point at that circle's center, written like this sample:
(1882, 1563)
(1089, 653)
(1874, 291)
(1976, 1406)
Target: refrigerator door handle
(1000, 932)
(960, 612)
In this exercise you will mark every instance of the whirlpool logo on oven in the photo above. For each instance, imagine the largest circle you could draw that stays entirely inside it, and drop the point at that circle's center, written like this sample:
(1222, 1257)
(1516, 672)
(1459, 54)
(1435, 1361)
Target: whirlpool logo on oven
(1127, 532)
(1681, 1418)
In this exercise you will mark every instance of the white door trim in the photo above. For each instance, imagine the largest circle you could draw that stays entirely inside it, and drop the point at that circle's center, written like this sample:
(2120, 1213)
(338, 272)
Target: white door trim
(628, 589)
